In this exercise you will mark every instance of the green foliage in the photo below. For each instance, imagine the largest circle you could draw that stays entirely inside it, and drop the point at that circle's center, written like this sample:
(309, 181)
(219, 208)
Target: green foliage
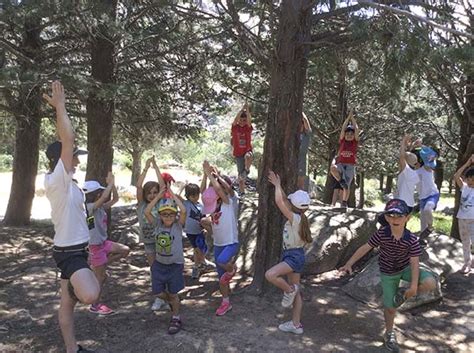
(6, 162)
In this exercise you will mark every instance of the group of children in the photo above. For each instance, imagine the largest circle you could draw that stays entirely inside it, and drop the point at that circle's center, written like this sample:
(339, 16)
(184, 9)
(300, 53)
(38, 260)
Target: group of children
(164, 216)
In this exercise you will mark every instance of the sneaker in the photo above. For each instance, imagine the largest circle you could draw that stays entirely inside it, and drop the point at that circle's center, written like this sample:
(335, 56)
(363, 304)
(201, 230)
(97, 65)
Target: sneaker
(100, 309)
(81, 349)
(289, 326)
(390, 341)
(289, 298)
(466, 269)
(343, 204)
(227, 276)
(223, 308)
(425, 233)
(175, 326)
(399, 297)
(160, 304)
(196, 272)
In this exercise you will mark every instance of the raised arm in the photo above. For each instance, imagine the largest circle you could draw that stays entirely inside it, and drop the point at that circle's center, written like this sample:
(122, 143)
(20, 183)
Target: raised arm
(215, 184)
(457, 176)
(63, 124)
(161, 181)
(344, 125)
(203, 182)
(140, 180)
(102, 201)
(356, 127)
(249, 115)
(149, 216)
(280, 198)
(402, 163)
(182, 209)
(115, 197)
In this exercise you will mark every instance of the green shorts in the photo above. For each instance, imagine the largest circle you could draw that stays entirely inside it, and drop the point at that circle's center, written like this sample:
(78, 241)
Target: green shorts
(390, 283)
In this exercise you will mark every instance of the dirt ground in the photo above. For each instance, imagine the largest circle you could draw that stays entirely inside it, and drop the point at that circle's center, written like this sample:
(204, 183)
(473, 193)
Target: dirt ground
(333, 322)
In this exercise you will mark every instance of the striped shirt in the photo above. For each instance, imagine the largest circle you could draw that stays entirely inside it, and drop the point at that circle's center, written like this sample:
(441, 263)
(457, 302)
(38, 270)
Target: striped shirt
(394, 254)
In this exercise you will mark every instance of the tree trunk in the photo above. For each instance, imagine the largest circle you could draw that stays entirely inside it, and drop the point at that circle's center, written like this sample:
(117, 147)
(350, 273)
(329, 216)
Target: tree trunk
(288, 75)
(361, 202)
(136, 165)
(466, 146)
(389, 184)
(28, 122)
(381, 179)
(100, 110)
(351, 201)
(330, 181)
(450, 186)
(439, 174)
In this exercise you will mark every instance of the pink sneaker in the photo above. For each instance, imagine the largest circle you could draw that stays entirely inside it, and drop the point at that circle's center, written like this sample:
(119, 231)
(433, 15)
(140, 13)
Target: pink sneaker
(227, 276)
(224, 308)
(100, 309)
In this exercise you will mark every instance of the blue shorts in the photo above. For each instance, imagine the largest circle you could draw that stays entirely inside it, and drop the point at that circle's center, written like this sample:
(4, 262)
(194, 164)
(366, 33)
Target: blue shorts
(223, 254)
(294, 258)
(432, 198)
(198, 241)
(167, 278)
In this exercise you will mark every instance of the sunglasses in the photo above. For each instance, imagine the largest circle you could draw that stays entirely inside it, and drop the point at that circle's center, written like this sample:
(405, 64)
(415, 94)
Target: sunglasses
(167, 215)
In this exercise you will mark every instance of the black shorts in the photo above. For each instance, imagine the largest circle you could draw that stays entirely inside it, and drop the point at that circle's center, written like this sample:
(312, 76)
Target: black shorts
(70, 259)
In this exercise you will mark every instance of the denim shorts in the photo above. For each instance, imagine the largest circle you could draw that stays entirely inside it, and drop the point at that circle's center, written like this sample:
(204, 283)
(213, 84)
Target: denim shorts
(70, 259)
(223, 254)
(198, 241)
(432, 198)
(167, 278)
(294, 258)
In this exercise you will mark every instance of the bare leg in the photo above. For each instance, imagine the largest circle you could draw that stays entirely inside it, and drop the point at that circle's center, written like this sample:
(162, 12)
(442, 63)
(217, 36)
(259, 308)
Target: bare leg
(389, 314)
(86, 286)
(101, 275)
(428, 285)
(66, 318)
(118, 251)
(334, 172)
(248, 161)
(274, 276)
(294, 278)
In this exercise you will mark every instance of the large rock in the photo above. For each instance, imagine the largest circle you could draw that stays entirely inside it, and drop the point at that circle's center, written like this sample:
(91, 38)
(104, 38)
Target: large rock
(130, 236)
(442, 256)
(336, 235)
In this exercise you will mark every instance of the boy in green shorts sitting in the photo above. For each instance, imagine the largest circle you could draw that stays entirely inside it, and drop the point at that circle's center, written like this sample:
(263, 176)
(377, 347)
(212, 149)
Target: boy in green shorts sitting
(399, 252)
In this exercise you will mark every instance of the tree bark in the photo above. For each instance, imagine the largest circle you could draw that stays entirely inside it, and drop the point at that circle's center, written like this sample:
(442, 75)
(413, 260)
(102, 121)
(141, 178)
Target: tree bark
(330, 181)
(381, 179)
(389, 184)
(439, 175)
(361, 202)
(100, 110)
(136, 165)
(28, 122)
(288, 75)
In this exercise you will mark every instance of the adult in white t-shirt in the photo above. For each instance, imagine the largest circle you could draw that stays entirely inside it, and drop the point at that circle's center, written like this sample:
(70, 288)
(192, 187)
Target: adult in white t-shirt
(466, 211)
(68, 214)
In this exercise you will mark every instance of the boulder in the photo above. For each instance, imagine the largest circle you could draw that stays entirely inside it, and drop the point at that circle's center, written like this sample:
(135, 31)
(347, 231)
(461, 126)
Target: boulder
(442, 256)
(130, 236)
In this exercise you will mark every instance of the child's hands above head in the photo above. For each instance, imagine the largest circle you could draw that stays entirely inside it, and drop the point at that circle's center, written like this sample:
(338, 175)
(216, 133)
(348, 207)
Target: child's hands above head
(148, 162)
(58, 97)
(471, 160)
(346, 268)
(206, 167)
(274, 178)
(110, 179)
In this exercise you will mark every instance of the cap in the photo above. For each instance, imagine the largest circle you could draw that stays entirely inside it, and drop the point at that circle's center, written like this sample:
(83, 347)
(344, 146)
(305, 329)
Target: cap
(428, 155)
(167, 178)
(167, 205)
(300, 199)
(91, 185)
(396, 206)
(209, 199)
(53, 151)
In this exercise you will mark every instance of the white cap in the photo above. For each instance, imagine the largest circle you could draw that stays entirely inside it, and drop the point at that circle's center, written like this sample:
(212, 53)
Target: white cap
(300, 199)
(91, 185)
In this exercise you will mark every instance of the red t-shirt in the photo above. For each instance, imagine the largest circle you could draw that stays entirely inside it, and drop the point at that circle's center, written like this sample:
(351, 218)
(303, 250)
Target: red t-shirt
(347, 151)
(241, 139)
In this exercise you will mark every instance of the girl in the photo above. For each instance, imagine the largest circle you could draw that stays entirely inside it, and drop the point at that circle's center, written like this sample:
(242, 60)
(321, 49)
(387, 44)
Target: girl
(102, 251)
(296, 235)
(466, 211)
(145, 194)
(167, 269)
(71, 237)
(219, 205)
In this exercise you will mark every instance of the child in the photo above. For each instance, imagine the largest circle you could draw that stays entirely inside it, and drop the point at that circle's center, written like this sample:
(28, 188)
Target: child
(344, 169)
(398, 259)
(305, 139)
(193, 228)
(145, 194)
(241, 139)
(296, 235)
(167, 269)
(428, 191)
(466, 211)
(408, 177)
(102, 251)
(219, 205)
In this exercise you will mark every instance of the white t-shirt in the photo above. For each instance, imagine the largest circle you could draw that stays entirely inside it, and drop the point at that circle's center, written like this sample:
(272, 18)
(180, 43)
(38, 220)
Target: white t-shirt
(224, 225)
(427, 186)
(291, 234)
(406, 183)
(68, 212)
(466, 206)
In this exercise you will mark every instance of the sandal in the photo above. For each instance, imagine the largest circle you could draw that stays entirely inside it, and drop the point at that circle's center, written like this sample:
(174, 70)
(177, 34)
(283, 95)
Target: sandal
(175, 326)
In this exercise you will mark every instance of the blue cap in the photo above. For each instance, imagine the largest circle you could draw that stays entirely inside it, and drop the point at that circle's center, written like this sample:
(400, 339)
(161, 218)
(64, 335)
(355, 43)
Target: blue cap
(428, 156)
(396, 206)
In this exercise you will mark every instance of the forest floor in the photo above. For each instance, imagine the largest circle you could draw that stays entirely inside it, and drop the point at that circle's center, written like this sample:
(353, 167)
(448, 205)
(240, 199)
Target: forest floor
(333, 322)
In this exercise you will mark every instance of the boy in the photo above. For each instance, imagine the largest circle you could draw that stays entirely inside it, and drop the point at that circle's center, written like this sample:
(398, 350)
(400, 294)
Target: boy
(344, 169)
(466, 211)
(398, 259)
(241, 139)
